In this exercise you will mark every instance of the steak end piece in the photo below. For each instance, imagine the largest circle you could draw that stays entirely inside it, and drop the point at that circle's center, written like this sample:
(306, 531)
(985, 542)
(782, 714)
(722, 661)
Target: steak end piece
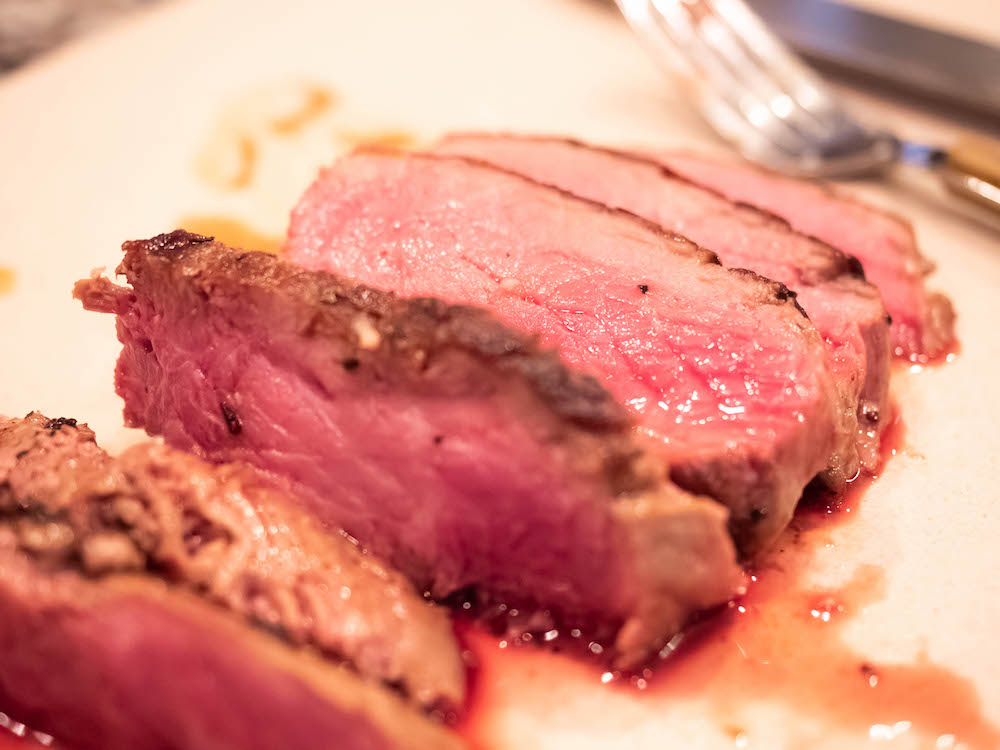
(129, 663)
(222, 533)
(719, 367)
(847, 310)
(923, 322)
(441, 439)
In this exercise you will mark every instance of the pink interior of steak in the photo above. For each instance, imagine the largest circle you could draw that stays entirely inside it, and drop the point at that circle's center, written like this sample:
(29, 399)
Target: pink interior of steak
(130, 664)
(860, 359)
(722, 372)
(220, 531)
(922, 321)
(291, 428)
(436, 436)
(847, 311)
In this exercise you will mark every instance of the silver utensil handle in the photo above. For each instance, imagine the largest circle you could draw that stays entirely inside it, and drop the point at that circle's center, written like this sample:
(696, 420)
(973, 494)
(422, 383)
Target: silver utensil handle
(972, 170)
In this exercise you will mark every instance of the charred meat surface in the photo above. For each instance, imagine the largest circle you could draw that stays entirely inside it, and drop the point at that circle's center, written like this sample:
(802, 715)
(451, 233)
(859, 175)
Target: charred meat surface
(440, 438)
(846, 309)
(723, 373)
(922, 320)
(220, 532)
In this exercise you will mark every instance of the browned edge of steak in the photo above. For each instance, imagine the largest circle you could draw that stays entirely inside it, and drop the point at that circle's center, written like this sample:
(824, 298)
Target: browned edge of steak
(752, 530)
(939, 315)
(414, 331)
(423, 345)
(873, 409)
(224, 534)
(839, 263)
(776, 292)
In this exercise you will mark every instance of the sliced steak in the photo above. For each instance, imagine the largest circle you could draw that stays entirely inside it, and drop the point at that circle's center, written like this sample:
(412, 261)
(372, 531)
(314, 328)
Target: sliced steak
(725, 375)
(846, 310)
(126, 663)
(112, 634)
(922, 321)
(220, 532)
(435, 435)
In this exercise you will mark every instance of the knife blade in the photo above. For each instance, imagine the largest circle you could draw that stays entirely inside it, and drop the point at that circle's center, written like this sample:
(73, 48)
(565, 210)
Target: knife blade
(904, 56)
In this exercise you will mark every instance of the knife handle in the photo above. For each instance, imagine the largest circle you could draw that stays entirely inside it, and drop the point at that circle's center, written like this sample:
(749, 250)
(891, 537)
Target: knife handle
(972, 170)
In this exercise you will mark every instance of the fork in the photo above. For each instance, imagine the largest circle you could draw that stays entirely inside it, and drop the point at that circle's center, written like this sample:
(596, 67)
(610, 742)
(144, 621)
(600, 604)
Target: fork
(756, 93)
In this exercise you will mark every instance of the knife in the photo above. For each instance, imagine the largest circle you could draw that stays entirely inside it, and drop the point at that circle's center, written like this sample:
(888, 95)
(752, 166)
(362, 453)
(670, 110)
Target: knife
(904, 56)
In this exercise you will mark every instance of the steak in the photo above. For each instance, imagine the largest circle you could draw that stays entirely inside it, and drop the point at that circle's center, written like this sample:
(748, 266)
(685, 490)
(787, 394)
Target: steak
(846, 310)
(438, 437)
(127, 585)
(922, 321)
(726, 377)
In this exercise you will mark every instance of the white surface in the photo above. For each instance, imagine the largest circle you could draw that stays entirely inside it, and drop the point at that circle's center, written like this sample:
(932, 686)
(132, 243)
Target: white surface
(98, 144)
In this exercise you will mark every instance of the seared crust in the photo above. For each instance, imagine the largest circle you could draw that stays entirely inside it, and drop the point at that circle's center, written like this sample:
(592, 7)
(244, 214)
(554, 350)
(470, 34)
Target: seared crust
(411, 343)
(329, 331)
(818, 273)
(410, 332)
(939, 314)
(836, 263)
(683, 245)
(220, 531)
(771, 292)
(779, 291)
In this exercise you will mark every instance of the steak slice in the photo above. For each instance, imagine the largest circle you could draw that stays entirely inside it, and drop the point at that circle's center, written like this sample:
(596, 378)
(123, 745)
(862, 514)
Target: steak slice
(846, 310)
(126, 663)
(725, 375)
(441, 439)
(127, 585)
(922, 321)
(225, 534)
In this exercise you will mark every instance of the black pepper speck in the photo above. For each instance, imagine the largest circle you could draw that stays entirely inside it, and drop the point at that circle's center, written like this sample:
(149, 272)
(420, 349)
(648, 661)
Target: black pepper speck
(233, 423)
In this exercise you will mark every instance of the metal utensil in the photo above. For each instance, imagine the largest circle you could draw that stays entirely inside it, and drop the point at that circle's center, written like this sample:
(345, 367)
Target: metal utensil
(756, 93)
(934, 66)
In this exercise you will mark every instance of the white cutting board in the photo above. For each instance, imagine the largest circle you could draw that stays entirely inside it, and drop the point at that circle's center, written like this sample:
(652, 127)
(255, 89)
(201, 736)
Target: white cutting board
(106, 140)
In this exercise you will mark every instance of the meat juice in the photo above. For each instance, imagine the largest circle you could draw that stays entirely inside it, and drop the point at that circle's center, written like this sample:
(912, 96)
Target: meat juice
(6, 280)
(783, 642)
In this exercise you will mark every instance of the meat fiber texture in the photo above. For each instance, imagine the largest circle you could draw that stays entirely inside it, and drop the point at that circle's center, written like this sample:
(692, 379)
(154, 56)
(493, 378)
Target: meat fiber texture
(922, 320)
(127, 585)
(830, 285)
(725, 376)
(435, 435)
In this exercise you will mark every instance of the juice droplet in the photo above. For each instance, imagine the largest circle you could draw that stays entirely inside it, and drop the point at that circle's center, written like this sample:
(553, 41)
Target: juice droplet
(782, 643)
